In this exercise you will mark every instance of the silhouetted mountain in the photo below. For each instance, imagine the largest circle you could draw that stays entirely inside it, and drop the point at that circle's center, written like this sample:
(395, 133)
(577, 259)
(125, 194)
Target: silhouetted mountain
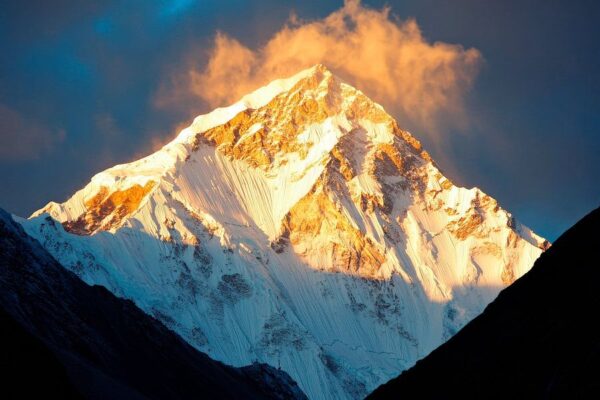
(27, 359)
(538, 339)
(64, 339)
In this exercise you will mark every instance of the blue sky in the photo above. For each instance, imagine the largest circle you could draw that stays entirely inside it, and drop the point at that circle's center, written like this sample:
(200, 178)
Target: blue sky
(79, 79)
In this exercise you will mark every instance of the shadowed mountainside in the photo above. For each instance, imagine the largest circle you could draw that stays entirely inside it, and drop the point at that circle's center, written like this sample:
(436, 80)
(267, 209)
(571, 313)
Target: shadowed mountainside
(536, 340)
(65, 338)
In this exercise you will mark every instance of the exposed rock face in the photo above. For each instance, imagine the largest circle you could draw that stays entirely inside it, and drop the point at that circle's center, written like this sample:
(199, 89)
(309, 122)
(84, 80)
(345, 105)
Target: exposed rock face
(106, 209)
(301, 227)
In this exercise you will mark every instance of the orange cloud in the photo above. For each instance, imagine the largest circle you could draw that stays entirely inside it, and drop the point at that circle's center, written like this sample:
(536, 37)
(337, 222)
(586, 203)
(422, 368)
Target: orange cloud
(21, 139)
(421, 83)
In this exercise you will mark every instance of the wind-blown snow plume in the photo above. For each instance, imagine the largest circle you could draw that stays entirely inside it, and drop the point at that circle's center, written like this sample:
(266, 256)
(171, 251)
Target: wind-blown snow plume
(418, 81)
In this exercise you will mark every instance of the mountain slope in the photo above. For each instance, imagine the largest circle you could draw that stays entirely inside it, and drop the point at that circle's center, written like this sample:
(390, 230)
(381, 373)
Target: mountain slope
(301, 227)
(538, 339)
(62, 337)
(23, 355)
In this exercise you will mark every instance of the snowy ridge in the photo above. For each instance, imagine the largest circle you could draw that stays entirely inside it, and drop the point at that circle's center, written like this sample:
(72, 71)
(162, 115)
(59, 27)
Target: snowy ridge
(300, 227)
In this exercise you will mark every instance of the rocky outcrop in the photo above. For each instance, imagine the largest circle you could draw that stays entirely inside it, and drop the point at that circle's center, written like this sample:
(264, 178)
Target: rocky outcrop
(107, 209)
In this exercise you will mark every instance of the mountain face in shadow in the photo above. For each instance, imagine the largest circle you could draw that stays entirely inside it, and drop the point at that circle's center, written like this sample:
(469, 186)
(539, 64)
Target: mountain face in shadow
(65, 339)
(538, 339)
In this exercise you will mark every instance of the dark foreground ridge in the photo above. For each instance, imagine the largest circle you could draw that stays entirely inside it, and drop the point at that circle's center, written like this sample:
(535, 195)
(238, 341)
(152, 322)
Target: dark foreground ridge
(64, 339)
(536, 340)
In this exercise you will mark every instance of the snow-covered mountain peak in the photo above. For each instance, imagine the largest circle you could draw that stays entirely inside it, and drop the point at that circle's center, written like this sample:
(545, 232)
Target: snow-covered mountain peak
(288, 131)
(254, 100)
(301, 227)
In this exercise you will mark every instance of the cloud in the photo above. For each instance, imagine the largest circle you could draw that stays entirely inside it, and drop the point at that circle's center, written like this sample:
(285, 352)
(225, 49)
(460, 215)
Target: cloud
(21, 139)
(423, 84)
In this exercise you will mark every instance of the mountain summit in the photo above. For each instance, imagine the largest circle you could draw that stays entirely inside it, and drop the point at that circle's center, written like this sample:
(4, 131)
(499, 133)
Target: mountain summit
(300, 227)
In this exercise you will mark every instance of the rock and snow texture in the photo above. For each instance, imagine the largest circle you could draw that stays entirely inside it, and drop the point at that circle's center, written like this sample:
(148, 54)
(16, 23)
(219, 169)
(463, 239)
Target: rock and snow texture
(300, 227)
